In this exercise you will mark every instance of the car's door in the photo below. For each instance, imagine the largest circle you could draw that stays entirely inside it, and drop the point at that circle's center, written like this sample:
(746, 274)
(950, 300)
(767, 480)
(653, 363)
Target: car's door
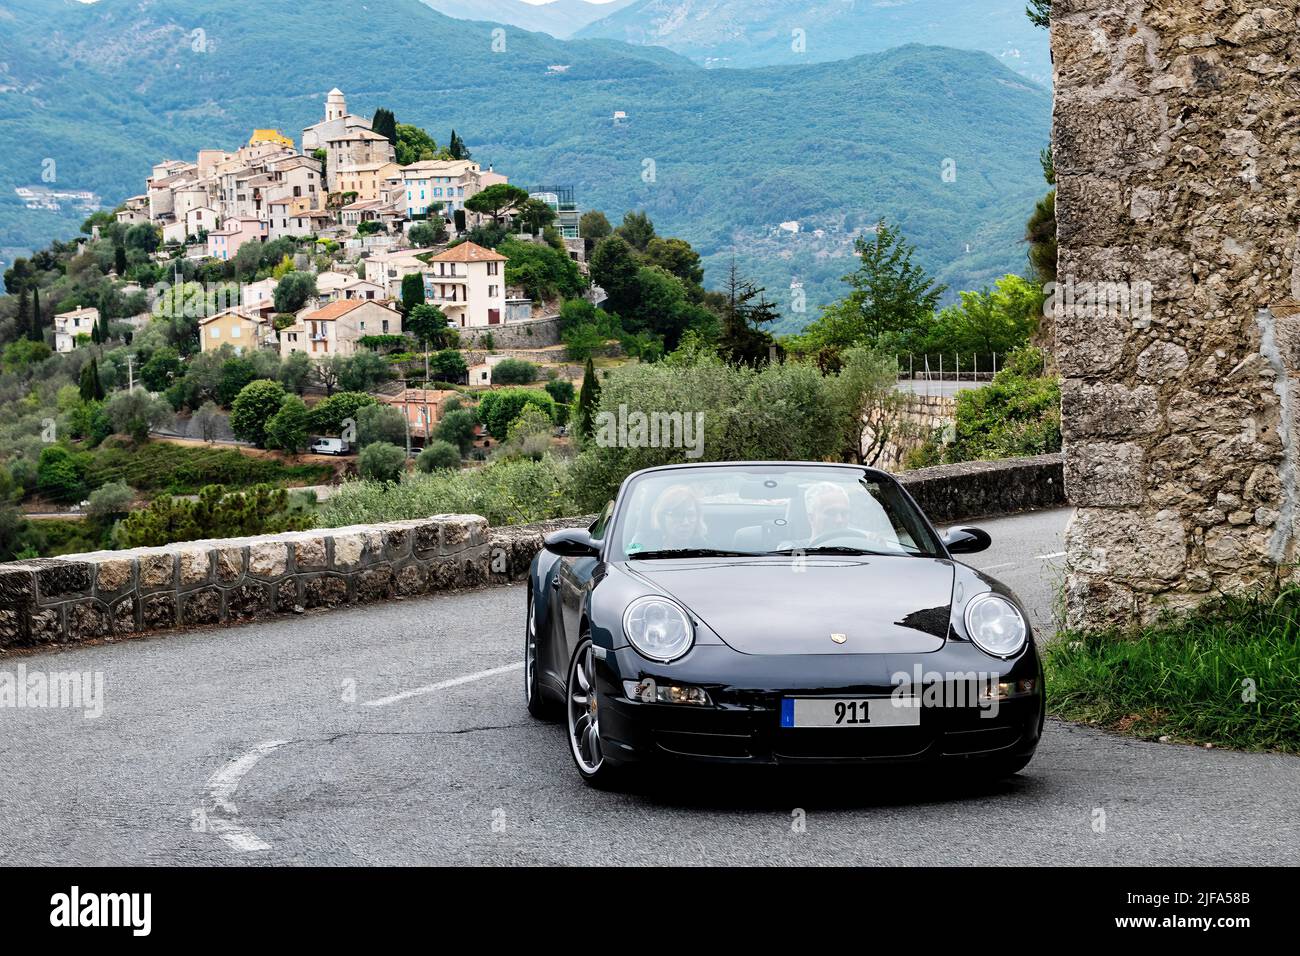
(574, 578)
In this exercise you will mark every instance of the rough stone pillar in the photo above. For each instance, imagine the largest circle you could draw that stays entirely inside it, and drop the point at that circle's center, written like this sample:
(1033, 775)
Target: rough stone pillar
(1177, 148)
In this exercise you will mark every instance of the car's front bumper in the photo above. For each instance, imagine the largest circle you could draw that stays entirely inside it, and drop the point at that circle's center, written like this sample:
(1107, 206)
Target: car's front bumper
(743, 725)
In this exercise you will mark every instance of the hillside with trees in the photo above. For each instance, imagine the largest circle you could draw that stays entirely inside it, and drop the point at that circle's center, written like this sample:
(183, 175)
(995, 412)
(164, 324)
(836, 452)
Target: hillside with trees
(917, 135)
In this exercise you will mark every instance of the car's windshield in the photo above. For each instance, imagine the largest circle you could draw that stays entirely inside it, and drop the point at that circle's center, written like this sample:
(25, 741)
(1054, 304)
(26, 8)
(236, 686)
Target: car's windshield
(767, 509)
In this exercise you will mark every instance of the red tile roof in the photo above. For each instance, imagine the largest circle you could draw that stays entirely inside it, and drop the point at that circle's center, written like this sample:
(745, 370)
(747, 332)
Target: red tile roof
(468, 252)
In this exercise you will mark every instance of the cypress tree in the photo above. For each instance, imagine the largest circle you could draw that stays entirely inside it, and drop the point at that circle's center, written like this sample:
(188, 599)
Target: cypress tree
(119, 260)
(23, 321)
(412, 292)
(36, 331)
(587, 400)
(385, 124)
(457, 147)
(86, 384)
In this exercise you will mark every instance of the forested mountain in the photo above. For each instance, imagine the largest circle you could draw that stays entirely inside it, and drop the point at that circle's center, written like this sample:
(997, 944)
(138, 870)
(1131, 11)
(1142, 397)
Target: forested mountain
(100, 92)
(560, 18)
(763, 32)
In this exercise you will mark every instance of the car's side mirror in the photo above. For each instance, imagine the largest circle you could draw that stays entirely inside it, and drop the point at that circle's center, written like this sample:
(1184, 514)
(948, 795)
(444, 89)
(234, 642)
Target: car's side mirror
(966, 540)
(573, 543)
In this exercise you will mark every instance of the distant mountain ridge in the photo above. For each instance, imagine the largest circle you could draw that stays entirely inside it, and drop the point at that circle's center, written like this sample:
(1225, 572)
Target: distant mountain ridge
(721, 158)
(560, 18)
(744, 33)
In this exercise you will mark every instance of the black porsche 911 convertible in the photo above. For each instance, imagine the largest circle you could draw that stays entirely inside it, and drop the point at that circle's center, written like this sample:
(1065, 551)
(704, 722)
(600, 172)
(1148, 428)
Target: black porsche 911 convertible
(777, 613)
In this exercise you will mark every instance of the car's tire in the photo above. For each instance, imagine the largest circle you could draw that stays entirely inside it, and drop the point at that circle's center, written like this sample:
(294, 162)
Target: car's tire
(582, 721)
(538, 706)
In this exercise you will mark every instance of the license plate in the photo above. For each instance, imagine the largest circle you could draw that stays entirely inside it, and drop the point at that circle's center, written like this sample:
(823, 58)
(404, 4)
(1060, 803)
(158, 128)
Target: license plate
(850, 712)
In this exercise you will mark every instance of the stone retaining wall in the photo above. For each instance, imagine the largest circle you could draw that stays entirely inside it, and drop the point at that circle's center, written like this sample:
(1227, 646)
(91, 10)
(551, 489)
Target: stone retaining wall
(917, 420)
(204, 583)
(529, 334)
(118, 594)
(985, 489)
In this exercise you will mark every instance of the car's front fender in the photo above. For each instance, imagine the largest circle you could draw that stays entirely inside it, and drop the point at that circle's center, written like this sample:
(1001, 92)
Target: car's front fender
(541, 573)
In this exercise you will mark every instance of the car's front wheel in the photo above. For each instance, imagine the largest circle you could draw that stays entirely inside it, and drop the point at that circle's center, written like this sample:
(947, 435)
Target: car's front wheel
(583, 719)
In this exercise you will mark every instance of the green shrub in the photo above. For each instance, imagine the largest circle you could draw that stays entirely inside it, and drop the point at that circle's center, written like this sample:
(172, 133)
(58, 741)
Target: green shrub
(328, 416)
(562, 391)
(380, 423)
(61, 474)
(1015, 415)
(499, 408)
(381, 462)
(287, 428)
(110, 501)
(256, 403)
(438, 455)
(457, 428)
(216, 514)
(505, 492)
(514, 372)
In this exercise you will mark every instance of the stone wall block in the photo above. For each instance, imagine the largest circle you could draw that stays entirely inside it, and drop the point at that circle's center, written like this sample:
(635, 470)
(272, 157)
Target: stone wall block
(248, 601)
(123, 617)
(375, 584)
(201, 607)
(17, 604)
(157, 569)
(87, 620)
(311, 552)
(114, 576)
(195, 564)
(397, 541)
(1104, 475)
(325, 591)
(411, 580)
(158, 612)
(228, 564)
(349, 551)
(58, 579)
(268, 560)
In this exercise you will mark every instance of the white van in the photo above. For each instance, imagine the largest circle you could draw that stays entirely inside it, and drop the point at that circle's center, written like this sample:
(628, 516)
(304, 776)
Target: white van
(329, 446)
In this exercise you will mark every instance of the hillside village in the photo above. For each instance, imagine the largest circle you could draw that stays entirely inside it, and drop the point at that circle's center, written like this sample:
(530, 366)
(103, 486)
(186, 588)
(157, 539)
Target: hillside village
(345, 189)
(379, 237)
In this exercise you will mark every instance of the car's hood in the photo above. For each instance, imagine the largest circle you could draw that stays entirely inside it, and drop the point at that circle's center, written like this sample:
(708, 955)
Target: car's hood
(881, 605)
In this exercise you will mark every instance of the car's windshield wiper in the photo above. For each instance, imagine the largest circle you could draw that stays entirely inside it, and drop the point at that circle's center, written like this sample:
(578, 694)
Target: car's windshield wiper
(840, 549)
(689, 553)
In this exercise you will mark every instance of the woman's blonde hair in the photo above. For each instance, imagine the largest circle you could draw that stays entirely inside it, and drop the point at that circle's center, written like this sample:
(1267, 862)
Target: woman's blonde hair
(675, 496)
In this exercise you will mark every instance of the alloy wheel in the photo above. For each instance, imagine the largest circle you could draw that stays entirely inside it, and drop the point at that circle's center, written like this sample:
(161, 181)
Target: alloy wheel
(584, 721)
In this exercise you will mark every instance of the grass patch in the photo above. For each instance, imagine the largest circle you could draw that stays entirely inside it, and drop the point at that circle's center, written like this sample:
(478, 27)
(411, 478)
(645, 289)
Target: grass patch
(1227, 674)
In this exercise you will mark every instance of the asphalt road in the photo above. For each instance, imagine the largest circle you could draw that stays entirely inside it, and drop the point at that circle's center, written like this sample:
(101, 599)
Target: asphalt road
(397, 735)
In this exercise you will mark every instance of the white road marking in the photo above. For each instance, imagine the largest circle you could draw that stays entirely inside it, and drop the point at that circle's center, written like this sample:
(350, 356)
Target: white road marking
(221, 788)
(998, 567)
(1049, 557)
(236, 837)
(442, 685)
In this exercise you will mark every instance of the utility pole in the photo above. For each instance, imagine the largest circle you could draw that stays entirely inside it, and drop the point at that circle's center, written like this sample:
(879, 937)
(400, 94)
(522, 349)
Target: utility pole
(130, 373)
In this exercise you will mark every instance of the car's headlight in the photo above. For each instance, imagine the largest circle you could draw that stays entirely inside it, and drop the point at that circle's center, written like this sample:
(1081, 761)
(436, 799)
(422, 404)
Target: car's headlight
(658, 628)
(996, 625)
